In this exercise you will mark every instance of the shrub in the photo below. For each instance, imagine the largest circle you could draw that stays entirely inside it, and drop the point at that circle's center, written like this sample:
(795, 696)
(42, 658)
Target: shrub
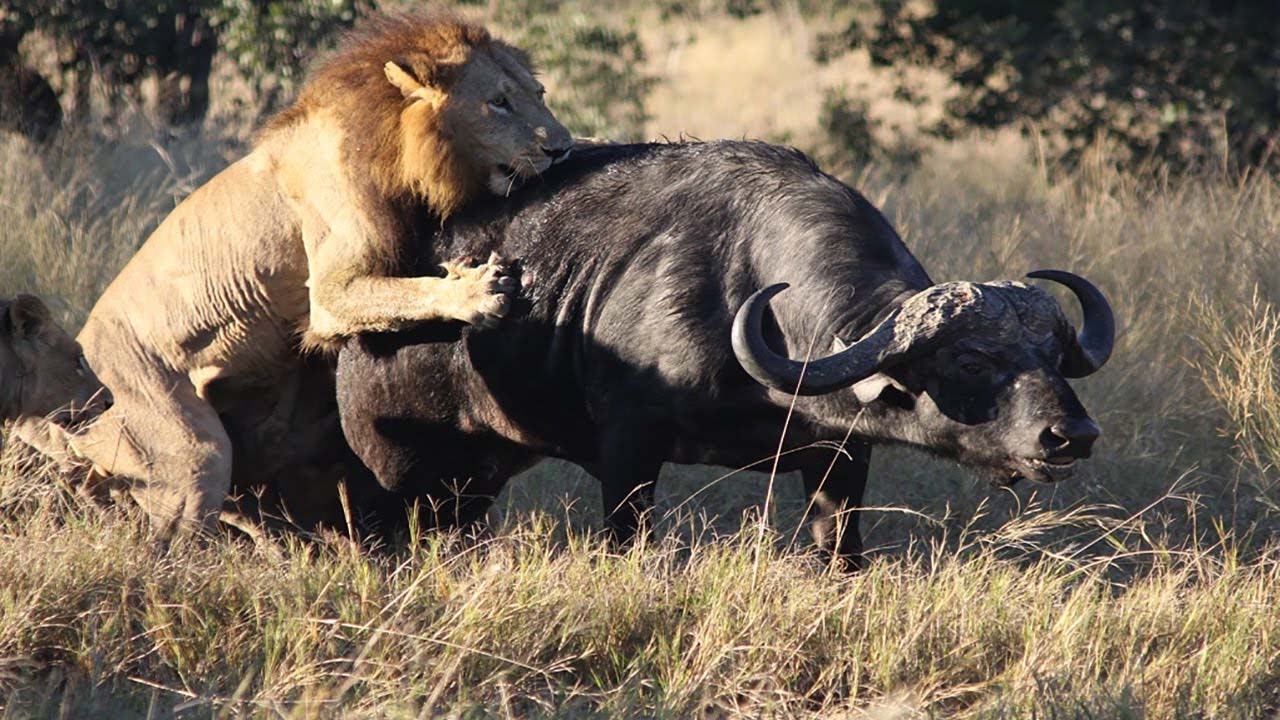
(1184, 82)
(595, 64)
(124, 43)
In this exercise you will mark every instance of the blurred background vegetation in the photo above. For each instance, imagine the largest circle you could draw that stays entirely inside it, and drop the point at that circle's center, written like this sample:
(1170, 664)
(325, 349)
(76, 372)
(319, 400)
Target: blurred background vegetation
(1183, 83)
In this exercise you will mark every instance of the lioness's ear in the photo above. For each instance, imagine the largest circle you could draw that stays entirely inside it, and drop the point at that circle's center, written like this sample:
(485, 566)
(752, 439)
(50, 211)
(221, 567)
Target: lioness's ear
(28, 316)
(410, 88)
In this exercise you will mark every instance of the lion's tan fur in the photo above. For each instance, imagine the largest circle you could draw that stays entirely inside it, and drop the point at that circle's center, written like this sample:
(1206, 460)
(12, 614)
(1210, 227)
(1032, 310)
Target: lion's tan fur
(291, 246)
(42, 371)
(413, 157)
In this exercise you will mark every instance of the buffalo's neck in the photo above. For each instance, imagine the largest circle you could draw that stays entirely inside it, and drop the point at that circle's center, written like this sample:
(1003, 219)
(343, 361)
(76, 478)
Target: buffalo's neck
(846, 266)
(844, 309)
(841, 412)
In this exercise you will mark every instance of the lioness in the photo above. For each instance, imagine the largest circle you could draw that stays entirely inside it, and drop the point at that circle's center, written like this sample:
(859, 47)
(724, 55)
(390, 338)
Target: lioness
(289, 248)
(43, 373)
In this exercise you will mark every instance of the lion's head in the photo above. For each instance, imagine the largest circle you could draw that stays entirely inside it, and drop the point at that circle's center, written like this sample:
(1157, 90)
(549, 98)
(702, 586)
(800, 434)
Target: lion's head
(435, 107)
(42, 370)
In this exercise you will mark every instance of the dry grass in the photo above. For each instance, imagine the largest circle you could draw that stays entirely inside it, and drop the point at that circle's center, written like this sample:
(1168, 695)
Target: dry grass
(759, 77)
(73, 213)
(1245, 380)
(1147, 587)
(93, 620)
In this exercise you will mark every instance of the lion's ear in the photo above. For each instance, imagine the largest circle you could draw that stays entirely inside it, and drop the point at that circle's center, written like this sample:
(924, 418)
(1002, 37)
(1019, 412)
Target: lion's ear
(410, 88)
(28, 317)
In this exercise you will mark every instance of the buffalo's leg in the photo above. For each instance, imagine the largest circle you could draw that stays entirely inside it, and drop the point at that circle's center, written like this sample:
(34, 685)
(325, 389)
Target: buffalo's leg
(627, 470)
(834, 483)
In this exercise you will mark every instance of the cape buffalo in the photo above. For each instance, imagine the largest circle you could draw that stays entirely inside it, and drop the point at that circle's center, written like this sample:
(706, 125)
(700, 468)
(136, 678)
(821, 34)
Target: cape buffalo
(654, 329)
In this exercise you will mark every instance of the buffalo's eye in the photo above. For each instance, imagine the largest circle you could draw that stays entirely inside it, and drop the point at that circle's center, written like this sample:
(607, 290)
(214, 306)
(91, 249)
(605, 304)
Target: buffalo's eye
(82, 366)
(971, 363)
(501, 104)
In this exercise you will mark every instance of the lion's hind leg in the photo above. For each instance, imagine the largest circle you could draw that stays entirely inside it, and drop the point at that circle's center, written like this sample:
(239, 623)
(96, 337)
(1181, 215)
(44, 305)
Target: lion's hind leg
(171, 449)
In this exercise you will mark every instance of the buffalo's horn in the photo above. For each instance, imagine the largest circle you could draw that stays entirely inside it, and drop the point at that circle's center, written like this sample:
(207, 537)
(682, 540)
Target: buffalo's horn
(1098, 333)
(816, 377)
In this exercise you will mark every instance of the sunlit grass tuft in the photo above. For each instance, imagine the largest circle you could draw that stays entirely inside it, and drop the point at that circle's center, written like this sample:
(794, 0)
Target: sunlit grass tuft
(94, 619)
(1245, 380)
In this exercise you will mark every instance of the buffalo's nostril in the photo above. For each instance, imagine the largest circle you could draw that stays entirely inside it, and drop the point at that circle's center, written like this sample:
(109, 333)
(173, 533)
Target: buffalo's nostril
(1074, 436)
(1051, 440)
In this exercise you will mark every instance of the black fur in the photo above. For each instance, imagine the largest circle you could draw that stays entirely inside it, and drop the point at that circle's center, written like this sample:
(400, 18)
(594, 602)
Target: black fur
(633, 261)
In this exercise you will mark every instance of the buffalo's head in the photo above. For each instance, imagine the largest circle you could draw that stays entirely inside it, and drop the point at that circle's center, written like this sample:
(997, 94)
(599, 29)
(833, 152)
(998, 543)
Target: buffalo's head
(973, 372)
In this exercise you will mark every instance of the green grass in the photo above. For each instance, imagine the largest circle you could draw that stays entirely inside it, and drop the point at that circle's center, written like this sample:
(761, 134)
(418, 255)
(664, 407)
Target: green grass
(1146, 587)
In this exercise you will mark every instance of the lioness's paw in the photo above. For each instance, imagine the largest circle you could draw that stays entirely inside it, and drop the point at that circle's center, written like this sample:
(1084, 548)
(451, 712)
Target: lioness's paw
(485, 292)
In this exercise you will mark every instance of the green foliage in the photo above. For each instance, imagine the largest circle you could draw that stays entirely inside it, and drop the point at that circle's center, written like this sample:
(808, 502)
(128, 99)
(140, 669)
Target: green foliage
(124, 42)
(698, 9)
(849, 135)
(125, 39)
(1167, 79)
(594, 64)
(846, 126)
(270, 41)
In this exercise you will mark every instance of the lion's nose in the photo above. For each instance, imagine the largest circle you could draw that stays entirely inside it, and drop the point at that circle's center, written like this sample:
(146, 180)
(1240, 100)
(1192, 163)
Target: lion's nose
(556, 147)
(556, 153)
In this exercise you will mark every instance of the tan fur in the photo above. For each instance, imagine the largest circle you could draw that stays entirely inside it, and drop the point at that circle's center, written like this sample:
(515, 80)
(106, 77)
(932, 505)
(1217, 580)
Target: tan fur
(43, 373)
(290, 247)
(404, 142)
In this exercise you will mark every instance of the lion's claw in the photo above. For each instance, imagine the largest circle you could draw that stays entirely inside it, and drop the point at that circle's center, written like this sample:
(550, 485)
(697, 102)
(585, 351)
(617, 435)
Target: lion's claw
(487, 290)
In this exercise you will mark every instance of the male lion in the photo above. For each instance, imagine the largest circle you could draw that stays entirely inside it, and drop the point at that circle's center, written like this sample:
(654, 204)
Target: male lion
(43, 373)
(291, 248)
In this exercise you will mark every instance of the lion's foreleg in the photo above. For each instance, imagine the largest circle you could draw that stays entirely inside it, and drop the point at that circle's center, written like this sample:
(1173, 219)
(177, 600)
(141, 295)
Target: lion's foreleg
(478, 295)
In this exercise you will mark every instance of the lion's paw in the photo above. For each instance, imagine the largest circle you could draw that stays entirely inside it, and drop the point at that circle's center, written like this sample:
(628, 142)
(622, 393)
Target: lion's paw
(485, 292)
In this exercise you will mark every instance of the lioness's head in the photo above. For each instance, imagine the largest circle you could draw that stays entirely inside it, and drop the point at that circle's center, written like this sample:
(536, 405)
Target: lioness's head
(437, 108)
(43, 372)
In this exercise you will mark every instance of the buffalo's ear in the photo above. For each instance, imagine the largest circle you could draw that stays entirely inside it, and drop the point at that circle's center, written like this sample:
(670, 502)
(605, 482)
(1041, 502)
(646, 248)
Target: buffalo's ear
(28, 317)
(410, 87)
(870, 389)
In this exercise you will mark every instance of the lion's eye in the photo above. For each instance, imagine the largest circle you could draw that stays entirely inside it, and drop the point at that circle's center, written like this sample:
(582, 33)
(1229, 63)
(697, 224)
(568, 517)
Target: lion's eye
(501, 104)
